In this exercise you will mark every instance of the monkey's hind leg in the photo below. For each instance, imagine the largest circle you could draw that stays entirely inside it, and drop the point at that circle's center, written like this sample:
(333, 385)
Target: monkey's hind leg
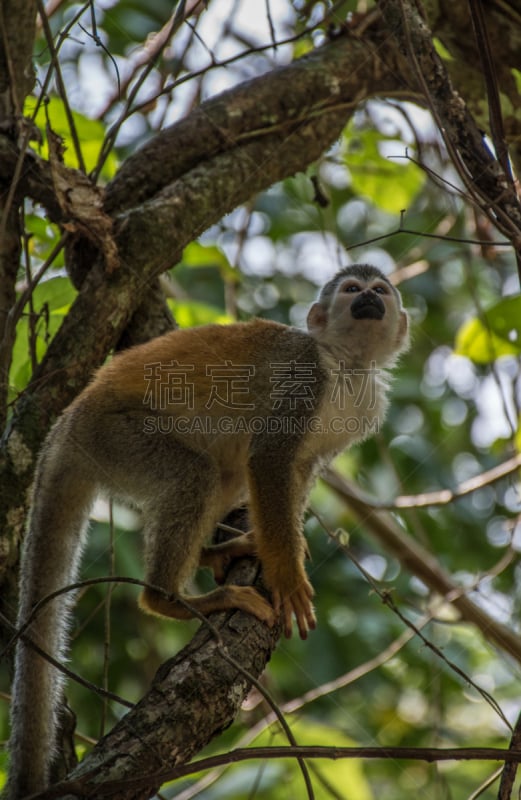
(177, 525)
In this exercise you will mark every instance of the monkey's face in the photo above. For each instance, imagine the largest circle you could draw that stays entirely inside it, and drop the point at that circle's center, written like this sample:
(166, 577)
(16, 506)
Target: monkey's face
(367, 311)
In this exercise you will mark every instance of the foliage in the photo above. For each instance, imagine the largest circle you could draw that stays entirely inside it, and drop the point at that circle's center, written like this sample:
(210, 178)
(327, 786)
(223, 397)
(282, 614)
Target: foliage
(454, 412)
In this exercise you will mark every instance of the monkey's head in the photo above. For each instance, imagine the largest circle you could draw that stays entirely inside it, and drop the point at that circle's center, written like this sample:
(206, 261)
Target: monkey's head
(361, 311)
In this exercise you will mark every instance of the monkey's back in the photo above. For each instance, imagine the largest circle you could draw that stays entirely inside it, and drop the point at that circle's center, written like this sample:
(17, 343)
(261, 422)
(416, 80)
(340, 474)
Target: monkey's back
(221, 369)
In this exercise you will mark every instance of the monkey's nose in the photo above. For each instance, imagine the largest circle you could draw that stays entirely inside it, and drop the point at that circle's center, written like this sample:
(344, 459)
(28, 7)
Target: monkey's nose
(368, 305)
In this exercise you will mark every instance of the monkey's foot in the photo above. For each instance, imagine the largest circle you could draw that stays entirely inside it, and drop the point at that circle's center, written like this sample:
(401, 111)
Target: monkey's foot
(218, 557)
(225, 598)
(298, 603)
(248, 599)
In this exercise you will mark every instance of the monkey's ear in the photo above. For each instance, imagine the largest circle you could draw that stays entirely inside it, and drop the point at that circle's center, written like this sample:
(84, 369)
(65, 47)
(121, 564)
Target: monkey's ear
(317, 318)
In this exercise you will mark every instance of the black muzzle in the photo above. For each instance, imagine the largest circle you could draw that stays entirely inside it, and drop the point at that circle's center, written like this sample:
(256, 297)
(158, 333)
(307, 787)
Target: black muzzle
(368, 305)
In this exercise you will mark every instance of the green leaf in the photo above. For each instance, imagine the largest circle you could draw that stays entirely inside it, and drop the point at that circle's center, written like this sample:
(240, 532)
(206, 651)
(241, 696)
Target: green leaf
(189, 314)
(442, 50)
(3, 768)
(498, 335)
(505, 320)
(43, 238)
(51, 300)
(390, 184)
(200, 255)
(90, 133)
(516, 74)
(480, 344)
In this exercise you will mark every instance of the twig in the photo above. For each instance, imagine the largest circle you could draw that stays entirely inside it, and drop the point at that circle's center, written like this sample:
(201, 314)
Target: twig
(443, 497)
(497, 129)
(291, 706)
(424, 235)
(61, 85)
(510, 769)
(73, 676)
(82, 787)
(420, 562)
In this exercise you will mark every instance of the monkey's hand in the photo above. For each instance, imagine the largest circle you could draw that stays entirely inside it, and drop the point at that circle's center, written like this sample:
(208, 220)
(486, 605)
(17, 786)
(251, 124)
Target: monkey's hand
(292, 594)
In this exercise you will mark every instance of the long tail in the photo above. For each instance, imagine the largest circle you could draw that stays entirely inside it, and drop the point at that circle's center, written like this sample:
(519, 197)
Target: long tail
(52, 551)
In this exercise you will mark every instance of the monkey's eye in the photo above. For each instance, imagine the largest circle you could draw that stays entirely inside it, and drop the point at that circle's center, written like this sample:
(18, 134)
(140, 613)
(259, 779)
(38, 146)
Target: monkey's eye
(380, 289)
(351, 287)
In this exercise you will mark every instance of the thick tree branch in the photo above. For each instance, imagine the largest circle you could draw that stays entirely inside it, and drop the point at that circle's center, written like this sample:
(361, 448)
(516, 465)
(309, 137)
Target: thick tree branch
(340, 74)
(451, 24)
(17, 26)
(17, 29)
(34, 181)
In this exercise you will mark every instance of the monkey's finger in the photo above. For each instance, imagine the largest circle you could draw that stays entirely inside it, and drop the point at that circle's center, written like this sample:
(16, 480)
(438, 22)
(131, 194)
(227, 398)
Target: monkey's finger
(311, 618)
(288, 618)
(308, 613)
(303, 611)
(306, 620)
(302, 628)
(286, 610)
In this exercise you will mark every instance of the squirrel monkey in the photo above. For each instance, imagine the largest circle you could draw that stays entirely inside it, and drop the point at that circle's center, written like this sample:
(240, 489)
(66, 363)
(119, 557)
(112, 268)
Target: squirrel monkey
(189, 426)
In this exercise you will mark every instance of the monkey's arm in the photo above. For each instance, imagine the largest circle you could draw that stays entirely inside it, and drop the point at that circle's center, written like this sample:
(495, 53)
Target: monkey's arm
(279, 483)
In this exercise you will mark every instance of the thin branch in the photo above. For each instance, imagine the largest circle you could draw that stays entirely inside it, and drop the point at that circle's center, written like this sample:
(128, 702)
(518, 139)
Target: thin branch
(73, 676)
(62, 37)
(387, 600)
(146, 54)
(424, 235)
(497, 128)
(98, 42)
(510, 769)
(277, 712)
(487, 783)
(420, 562)
(16, 311)
(173, 24)
(445, 496)
(291, 706)
(82, 787)
(73, 587)
(226, 62)
(20, 633)
(55, 64)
